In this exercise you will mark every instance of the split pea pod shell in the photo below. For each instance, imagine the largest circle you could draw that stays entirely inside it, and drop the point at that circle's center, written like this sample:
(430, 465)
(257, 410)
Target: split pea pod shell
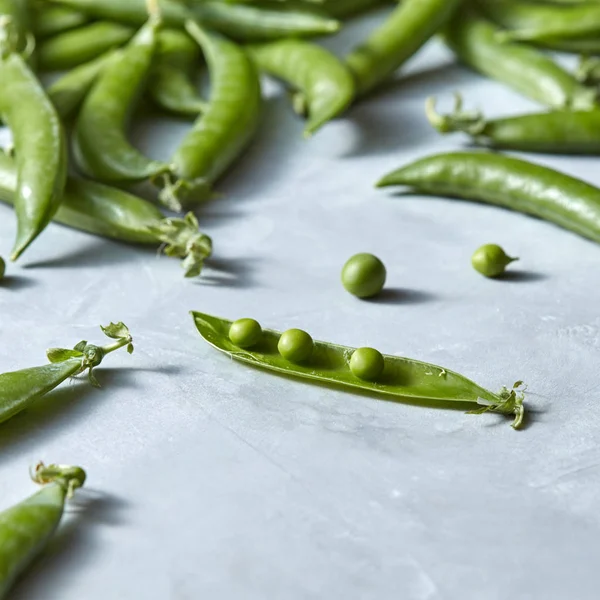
(39, 142)
(404, 32)
(26, 528)
(100, 146)
(323, 82)
(402, 379)
(508, 182)
(226, 127)
(529, 71)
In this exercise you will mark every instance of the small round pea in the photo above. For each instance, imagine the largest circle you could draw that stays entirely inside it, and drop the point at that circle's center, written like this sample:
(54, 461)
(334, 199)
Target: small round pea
(364, 275)
(367, 363)
(245, 333)
(295, 345)
(491, 260)
(2, 268)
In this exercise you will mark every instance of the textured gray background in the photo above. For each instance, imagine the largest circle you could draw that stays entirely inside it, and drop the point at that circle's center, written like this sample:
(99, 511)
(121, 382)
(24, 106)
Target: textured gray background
(207, 479)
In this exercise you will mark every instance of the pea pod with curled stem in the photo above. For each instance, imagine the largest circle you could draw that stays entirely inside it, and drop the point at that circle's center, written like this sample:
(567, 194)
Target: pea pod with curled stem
(176, 63)
(508, 182)
(558, 132)
(50, 20)
(26, 528)
(20, 389)
(113, 213)
(404, 32)
(526, 69)
(402, 379)
(247, 23)
(325, 85)
(38, 139)
(100, 145)
(78, 46)
(221, 134)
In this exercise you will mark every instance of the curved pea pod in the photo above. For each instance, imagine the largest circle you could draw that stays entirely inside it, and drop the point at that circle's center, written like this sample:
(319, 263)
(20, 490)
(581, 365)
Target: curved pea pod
(325, 85)
(68, 92)
(113, 213)
(558, 132)
(508, 182)
(26, 529)
(100, 145)
(402, 34)
(50, 20)
(20, 389)
(38, 139)
(172, 85)
(224, 130)
(403, 379)
(72, 48)
(529, 71)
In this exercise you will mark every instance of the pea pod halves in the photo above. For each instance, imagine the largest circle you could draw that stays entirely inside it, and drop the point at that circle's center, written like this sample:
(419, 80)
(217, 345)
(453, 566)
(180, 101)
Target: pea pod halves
(26, 528)
(38, 138)
(402, 379)
(325, 85)
(509, 182)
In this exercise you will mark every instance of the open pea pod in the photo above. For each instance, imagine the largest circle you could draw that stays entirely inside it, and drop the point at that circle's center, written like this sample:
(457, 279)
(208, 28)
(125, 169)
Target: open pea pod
(403, 379)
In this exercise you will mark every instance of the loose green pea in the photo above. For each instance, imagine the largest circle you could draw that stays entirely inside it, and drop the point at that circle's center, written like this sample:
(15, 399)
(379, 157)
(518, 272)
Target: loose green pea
(2, 268)
(367, 363)
(364, 275)
(295, 345)
(245, 332)
(491, 260)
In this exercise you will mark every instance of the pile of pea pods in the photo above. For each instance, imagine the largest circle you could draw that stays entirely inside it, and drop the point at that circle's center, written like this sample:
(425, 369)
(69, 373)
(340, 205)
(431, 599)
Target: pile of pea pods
(71, 160)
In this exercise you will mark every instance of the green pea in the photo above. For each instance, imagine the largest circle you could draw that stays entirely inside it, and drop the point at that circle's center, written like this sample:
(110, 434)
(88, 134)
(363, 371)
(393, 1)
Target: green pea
(364, 275)
(245, 332)
(367, 363)
(2, 268)
(491, 260)
(295, 345)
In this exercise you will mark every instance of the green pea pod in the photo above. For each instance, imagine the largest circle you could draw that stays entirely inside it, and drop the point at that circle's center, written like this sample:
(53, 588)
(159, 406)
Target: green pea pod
(72, 48)
(326, 86)
(246, 23)
(113, 213)
(555, 132)
(100, 146)
(404, 32)
(50, 20)
(172, 86)
(224, 130)
(68, 92)
(526, 69)
(26, 529)
(20, 389)
(38, 139)
(508, 182)
(402, 379)
(18, 12)
(346, 9)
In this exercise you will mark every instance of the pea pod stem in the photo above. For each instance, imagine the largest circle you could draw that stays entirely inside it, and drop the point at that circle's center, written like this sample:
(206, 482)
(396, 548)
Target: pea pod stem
(403, 379)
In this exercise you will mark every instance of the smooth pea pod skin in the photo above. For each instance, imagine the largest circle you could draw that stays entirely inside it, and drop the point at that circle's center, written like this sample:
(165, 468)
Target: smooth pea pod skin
(40, 149)
(73, 48)
(324, 82)
(230, 120)
(68, 92)
(404, 32)
(529, 71)
(20, 389)
(508, 182)
(172, 85)
(50, 20)
(100, 146)
(403, 379)
(533, 21)
(26, 528)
